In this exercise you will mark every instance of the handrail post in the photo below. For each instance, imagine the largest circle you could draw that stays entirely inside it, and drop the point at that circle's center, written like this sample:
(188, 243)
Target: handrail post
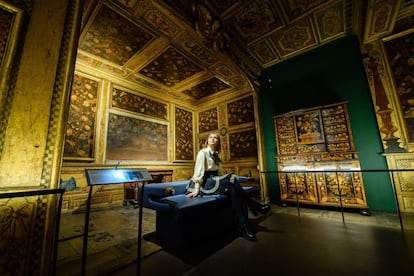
(396, 201)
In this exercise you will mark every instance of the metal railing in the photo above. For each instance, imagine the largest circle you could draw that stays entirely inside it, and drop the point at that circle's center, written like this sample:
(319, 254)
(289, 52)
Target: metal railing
(295, 191)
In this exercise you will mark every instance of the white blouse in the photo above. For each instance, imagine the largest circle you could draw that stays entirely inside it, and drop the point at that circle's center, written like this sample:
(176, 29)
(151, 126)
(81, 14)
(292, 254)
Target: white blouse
(205, 162)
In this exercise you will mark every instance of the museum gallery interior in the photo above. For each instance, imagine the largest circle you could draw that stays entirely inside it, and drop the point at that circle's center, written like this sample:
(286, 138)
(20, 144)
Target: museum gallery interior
(313, 102)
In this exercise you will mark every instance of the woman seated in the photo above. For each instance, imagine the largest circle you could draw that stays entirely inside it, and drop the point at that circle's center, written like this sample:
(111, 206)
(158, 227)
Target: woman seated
(208, 179)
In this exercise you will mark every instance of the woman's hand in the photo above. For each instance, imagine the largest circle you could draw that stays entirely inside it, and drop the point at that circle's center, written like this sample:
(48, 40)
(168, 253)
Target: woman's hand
(192, 194)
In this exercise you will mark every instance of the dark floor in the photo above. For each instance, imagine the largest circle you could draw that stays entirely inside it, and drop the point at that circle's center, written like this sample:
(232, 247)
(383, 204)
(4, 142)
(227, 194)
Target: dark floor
(297, 242)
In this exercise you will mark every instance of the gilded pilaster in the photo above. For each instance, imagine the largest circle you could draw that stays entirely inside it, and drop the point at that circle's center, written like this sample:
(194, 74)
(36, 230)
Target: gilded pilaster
(33, 133)
(381, 92)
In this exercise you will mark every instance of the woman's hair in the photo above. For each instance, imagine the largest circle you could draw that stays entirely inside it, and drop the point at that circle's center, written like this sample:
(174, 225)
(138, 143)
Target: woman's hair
(218, 147)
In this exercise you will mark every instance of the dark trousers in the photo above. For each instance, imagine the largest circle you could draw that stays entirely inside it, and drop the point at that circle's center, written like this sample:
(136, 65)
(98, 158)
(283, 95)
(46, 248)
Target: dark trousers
(241, 201)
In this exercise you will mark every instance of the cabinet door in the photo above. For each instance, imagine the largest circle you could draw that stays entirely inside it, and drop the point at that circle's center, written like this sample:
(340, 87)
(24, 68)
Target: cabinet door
(341, 188)
(298, 187)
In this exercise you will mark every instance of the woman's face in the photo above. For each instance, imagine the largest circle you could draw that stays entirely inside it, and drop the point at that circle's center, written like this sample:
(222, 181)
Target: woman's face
(213, 140)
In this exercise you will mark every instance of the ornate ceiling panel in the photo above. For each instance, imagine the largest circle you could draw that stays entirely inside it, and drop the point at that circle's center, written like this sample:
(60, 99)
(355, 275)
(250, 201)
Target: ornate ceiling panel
(193, 50)
(206, 88)
(254, 20)
(170, 68)
(112, 37)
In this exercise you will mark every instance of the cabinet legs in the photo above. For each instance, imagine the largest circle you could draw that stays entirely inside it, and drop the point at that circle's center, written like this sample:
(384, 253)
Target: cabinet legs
(134, 202)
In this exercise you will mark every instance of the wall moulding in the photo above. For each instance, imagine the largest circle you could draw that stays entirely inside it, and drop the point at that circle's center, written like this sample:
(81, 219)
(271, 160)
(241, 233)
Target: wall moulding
(10, 33)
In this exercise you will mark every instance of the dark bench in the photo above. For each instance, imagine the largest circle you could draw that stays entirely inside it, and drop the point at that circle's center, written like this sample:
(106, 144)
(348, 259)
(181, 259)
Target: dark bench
(184, 222)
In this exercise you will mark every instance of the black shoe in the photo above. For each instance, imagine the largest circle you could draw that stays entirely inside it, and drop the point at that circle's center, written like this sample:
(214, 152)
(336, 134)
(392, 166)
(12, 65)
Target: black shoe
(244, 231)
(261, 208)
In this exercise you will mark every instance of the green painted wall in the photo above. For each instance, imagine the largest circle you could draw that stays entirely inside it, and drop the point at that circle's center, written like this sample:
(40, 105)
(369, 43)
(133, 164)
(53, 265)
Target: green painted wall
(329, 74)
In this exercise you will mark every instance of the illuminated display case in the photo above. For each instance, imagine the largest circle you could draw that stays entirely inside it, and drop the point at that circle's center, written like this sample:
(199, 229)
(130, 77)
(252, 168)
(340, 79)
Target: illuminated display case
(316, 158)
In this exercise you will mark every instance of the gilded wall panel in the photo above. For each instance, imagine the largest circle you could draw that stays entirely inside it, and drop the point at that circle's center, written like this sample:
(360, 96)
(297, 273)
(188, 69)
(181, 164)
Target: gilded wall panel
(403, 180)
(399, 55)
(22, 230)
(208, 120)
(240, 111)
(80, 127)
(184, 143)
(11, 20)
(383, 98)
(243, 144)
(17, 217)
(137, 104)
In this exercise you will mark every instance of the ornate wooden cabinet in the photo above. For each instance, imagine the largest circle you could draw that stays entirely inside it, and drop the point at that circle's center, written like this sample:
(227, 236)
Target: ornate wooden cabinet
(316, 158)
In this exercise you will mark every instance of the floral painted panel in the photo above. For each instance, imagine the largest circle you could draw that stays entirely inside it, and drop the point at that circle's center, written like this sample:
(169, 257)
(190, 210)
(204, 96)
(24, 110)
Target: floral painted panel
(400, 54)
(135, 139)
(207, 120)
(243, 144)
(134, 103)
(184, 147)
(79, 139)
(170, 68)
(240, 112)
(113, 37)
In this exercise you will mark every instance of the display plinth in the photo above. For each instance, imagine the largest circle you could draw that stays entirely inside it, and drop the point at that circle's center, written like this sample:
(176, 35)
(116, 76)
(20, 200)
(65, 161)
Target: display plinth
(114, 176)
